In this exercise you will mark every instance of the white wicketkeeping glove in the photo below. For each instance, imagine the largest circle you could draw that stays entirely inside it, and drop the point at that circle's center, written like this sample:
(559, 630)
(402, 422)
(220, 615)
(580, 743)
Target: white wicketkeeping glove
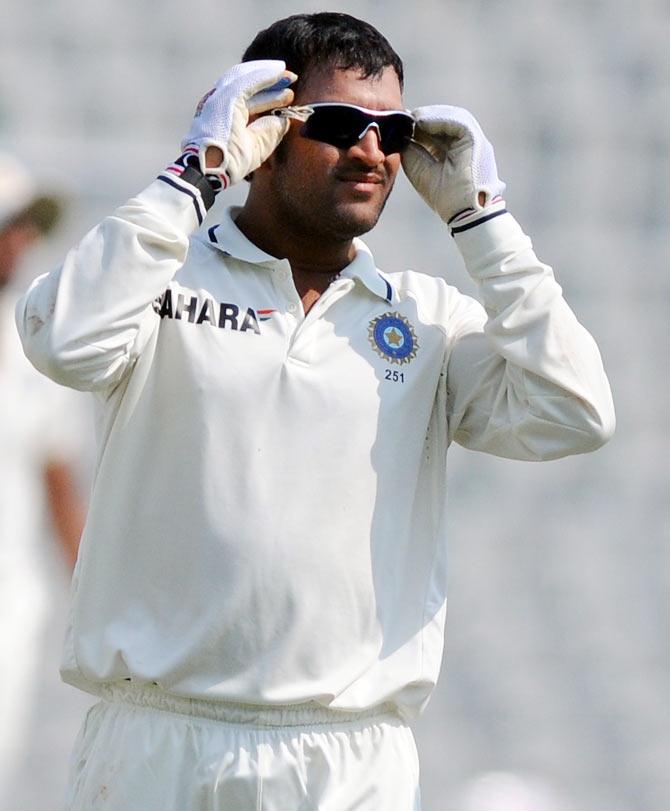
(222, 118)
(452, 166)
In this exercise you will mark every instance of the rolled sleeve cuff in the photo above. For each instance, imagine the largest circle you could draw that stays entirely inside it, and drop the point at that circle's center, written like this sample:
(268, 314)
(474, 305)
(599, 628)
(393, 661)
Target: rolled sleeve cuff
(178, 202)
(490, 242)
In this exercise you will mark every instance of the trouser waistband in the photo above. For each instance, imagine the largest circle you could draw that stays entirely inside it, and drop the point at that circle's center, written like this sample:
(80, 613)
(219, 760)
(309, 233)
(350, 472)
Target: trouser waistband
(153, 697)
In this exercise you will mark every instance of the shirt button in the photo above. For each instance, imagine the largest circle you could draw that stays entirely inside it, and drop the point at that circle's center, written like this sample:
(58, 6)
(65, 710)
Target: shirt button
(283, 275)
(292, 308)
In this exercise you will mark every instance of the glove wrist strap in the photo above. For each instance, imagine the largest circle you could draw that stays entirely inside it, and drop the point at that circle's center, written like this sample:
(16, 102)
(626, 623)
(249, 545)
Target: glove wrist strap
(203, 183)
(185, 176)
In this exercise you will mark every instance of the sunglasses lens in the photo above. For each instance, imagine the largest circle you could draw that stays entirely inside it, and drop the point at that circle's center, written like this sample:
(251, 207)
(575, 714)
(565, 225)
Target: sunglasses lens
(396, 132)
(342, 127)
(337, 126)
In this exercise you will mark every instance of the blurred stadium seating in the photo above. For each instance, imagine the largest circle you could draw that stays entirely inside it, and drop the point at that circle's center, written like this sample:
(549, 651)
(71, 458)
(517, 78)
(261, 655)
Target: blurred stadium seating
(557, 654)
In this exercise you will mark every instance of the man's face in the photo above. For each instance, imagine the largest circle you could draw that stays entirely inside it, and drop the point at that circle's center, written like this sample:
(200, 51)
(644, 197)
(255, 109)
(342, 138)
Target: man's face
(327, 192)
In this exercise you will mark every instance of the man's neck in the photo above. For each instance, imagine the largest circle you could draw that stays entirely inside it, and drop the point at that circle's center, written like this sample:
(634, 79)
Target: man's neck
(314, 266)
(305, 255)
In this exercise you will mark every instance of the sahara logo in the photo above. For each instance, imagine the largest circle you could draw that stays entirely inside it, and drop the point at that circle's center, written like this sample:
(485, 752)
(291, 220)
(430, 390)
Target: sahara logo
(221, 314)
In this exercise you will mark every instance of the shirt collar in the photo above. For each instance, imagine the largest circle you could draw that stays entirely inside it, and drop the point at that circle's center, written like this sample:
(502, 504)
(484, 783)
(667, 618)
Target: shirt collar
(363, 268)
(227, 237)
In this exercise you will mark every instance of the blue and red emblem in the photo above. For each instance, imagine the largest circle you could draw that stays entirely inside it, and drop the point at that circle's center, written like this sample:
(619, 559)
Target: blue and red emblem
(393, 338)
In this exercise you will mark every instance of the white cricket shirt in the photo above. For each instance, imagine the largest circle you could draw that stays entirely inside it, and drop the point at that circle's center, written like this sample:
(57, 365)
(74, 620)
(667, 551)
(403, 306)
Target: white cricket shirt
(267, 521)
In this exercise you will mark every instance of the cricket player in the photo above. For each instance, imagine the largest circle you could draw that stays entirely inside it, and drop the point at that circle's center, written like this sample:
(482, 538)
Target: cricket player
(259, 599)
(41, 508)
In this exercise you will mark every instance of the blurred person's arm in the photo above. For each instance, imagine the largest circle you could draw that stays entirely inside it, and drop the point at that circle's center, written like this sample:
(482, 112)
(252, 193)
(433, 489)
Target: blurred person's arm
(66, 508)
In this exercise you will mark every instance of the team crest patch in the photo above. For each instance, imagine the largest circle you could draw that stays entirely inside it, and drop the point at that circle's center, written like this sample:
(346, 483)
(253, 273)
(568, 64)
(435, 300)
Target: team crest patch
(393, 338)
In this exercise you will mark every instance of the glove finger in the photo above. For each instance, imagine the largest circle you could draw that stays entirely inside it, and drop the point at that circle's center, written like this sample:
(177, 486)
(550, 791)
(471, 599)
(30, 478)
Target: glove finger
(435, 114)
(435, 146)
(249, 78)
(420, 167)
(449, 134)
(448, 122)
(265, 134)
(418, 156)
(269, 99)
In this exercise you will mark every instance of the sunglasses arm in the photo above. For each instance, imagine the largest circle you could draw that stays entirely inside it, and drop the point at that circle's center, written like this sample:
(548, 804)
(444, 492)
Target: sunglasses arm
(298, 112)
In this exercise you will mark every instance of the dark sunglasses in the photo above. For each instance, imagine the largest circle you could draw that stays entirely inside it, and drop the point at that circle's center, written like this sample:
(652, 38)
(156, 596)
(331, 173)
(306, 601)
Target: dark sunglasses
(343, 125)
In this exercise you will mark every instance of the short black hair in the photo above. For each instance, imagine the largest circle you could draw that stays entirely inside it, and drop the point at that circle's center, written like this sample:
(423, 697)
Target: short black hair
(325, 39)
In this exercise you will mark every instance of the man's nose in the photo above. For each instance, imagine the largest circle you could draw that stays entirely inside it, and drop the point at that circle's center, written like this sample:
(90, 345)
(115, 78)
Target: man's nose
(368, 147)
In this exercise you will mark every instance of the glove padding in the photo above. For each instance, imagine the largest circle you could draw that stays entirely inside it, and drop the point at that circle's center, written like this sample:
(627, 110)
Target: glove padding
(222, 118)
(451, 163)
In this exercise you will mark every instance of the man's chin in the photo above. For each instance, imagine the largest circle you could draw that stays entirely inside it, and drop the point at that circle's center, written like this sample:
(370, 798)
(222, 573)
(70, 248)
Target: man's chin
(354, 220)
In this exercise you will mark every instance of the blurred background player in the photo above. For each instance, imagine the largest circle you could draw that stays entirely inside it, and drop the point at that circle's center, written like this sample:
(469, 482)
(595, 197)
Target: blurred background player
(40, 485)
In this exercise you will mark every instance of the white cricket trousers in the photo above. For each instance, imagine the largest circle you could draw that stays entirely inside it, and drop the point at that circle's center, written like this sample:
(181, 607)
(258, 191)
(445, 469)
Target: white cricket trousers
(141, 749)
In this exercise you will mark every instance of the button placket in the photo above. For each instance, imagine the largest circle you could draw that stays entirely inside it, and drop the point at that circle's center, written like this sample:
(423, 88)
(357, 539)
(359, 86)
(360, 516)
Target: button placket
(283, 283)
(304, 342)
(334, 293)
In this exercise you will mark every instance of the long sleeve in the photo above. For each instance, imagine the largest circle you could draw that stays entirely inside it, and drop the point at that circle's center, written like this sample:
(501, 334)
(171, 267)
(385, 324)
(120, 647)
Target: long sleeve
(84, 324)
(525, 379)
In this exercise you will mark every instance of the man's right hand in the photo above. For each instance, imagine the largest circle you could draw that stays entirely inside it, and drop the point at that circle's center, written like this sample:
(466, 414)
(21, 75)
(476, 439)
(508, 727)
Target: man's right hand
(227, 145)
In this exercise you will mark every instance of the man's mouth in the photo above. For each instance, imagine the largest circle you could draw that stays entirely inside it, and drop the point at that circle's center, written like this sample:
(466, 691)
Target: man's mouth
(366, 178)
(367, 184)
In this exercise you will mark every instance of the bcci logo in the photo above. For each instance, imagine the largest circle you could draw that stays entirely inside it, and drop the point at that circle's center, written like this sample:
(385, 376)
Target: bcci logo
(393, 338)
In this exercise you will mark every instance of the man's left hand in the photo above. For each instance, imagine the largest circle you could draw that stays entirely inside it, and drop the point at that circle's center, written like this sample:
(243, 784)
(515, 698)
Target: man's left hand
(451, 163)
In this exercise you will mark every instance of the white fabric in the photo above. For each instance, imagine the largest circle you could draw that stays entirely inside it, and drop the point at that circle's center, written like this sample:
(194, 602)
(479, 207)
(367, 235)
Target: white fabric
(222, 118)
(451, 161)
(144, 752)
(268, 519)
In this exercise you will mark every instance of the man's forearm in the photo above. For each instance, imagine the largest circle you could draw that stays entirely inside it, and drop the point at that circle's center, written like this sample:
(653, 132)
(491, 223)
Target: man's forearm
(533, 385)
(65, 508)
